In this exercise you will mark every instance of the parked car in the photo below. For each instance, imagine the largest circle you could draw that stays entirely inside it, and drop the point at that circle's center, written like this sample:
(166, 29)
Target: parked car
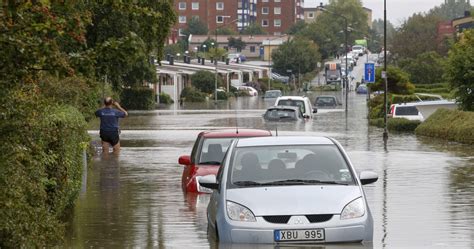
(288, 189)
(302, 102)
(284, 79)
(270, 94)
(250, 90)
(408, 111)
(362, 89)
(207, 154)
(234, 56)
(283, 113)
(325, 101)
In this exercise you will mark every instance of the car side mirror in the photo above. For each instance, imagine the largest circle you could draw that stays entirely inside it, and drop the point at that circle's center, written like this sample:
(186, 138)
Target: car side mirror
(209, 181)
(184, 160)
(315, 110)
(367, 177)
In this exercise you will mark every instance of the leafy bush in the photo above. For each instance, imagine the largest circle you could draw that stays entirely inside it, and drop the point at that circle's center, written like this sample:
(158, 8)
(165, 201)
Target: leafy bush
(402, 124)
(398, 81)
(275, 85)
(426, 68)
(165, 99)
(205, 81)
(221, 95)
(139, 98)
(191, 94)
(40, 169)
(451, 125)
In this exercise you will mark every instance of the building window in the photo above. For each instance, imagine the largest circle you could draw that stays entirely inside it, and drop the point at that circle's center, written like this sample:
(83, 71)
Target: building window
(277, 10)
(182, 19)
(219, 19)
(264, 23)
(311, 15)
(219, 5)
(252, 49)
(182, 5)
(265, 10)
(277, 1)
(195, 5)
(265, 1)
(277, 23)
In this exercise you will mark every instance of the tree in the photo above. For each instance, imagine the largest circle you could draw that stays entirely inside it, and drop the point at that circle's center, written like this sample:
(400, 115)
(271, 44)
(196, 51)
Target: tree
(296, 27)
(236, 43)
(298, 55)
(204, 81)
(195, 27)
(426, 68)
(253, 29)
(460, 70)
(397, 81)
(451, 9)
(376, 33)
(417, 35)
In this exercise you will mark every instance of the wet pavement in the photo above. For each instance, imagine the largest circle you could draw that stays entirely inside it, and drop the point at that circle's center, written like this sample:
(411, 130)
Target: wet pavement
(424, 197)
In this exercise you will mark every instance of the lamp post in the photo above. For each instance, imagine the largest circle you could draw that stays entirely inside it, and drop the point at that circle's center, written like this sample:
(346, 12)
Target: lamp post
(204, 47)
(215, 61)
(385, 133)
(321, 7)
(270, 68)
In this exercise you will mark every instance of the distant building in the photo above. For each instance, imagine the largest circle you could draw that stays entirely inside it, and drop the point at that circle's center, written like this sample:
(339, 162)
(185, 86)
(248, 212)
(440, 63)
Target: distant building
(462, 23)
(445, 29)
(310, 14)
(369, 16)
(277, 16)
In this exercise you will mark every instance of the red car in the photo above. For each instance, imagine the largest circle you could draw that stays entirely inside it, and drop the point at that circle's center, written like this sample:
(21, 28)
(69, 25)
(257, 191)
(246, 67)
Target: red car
(207, 154)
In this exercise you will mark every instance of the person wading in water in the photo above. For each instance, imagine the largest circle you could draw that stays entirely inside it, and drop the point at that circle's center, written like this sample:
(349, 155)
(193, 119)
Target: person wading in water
(109, 124)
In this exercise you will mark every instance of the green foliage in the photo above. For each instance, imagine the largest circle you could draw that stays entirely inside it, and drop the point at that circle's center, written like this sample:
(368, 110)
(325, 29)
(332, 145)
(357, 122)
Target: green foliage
(450, 125)
(138, 98)
(376, 34)
(253, 29)
(396, 124)
(298, 55)
(296, 27)
(221, 95)
(236, 43)
(195, 27)
(191, 94)
(460, 71)
(425, 68)
(451, 9)
(417, 35)
(397, 81)
(40, 168)
(165, 98)
(266, 85)
(204, 81)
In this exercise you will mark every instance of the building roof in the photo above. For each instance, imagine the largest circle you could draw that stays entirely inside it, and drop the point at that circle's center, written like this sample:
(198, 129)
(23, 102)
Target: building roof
(245, 38)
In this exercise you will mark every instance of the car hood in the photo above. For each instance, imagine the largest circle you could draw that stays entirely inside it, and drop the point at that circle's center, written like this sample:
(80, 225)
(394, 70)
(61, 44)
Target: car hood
(294, 200)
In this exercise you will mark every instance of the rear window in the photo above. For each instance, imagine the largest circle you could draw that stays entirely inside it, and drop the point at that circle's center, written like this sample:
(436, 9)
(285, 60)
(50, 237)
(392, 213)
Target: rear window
(277, 114)
(291, 102)
(406, 110)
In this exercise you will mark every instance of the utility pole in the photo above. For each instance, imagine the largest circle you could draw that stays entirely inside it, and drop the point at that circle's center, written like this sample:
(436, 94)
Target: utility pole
(385, 132)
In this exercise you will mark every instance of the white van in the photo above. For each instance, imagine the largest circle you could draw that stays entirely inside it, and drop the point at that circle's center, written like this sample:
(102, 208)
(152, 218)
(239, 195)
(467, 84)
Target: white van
(302, 102)
(408, 111)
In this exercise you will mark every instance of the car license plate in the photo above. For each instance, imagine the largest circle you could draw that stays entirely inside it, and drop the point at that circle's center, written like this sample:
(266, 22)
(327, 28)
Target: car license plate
(299, 235)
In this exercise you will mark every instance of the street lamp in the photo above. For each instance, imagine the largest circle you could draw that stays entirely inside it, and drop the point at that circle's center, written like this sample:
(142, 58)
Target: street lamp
(322, 8)
(270, 68)
(385, 133)
(215, 61)
(177, 56)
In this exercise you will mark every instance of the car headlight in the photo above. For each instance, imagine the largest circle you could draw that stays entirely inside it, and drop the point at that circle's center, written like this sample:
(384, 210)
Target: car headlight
(239, 213)
(354, 209)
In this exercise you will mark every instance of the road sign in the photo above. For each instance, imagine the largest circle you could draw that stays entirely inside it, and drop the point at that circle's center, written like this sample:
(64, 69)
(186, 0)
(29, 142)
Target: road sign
(369, 73)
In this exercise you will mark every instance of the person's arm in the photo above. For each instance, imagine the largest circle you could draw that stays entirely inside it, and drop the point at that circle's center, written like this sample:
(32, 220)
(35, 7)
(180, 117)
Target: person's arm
(117, 105)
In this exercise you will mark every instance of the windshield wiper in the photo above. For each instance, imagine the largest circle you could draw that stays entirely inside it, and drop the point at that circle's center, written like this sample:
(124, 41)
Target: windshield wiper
(247, 183)
(302, 182)
(211, 163)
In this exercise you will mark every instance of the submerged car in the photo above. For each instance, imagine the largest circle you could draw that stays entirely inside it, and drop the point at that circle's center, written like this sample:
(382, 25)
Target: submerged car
(407, 111)
(270, 94)
(362, 89)
(207, 154)
(280, 190)
(283, 113)
(325, 101)
(300, 101)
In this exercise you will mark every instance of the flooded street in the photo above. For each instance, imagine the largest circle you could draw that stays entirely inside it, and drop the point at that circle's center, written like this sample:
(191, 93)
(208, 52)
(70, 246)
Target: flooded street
(424, 197)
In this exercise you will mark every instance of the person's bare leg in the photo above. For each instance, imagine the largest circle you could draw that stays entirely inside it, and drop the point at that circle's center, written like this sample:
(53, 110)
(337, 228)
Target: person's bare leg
(117, 148)
(105, 148)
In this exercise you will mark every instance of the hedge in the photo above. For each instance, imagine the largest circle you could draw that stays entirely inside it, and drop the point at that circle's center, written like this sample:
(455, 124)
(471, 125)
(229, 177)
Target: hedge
(191, 94)
(450, 125)
(396, 124)
(165, 98)
(140, 98)
(40, 172)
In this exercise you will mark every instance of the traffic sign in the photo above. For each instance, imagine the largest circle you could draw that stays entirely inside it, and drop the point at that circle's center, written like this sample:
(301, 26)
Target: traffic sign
(369, 73)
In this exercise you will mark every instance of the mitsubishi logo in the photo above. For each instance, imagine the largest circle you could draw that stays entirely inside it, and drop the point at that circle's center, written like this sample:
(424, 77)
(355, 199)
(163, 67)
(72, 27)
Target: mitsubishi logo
(298, 221)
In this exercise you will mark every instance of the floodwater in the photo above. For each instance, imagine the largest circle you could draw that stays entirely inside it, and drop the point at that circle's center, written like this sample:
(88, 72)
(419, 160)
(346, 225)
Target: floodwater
(424, 197)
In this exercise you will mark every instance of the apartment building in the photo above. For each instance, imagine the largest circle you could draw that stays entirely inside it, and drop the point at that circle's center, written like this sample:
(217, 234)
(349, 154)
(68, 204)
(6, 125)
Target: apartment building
(275, 16)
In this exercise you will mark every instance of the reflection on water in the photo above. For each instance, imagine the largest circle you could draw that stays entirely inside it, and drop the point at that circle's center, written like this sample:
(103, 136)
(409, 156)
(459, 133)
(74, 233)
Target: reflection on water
(424, 197)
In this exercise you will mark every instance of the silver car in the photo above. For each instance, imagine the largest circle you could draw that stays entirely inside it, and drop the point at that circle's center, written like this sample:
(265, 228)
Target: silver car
(288, 190)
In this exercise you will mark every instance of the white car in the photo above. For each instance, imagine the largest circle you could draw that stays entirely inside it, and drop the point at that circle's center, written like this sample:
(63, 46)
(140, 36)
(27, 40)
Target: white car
(250, 90)
(302, 102)
(275, 190)
(408, 111)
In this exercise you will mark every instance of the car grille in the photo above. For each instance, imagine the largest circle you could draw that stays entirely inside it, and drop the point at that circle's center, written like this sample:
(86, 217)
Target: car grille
(314, 218)
(283, 219)
(280, 219)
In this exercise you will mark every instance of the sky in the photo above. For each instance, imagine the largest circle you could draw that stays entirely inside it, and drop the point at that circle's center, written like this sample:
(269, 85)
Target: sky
(397, 10)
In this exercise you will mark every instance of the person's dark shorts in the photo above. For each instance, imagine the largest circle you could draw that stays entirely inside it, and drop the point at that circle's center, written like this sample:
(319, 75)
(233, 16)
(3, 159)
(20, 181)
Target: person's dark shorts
(111, 137)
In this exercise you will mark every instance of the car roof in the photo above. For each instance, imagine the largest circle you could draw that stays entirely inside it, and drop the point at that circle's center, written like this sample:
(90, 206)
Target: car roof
(235, 133)
(325, 96)
(284, 140)
(273, 91)
(284, 107)
(292, 97)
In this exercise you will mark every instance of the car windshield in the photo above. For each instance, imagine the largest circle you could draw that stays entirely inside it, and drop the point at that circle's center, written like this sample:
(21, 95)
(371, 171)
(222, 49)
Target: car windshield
(292, 102)
(406, 110)
(288, 165)
(272, 94)
(213, 150)
(325, 101)
(280, 114)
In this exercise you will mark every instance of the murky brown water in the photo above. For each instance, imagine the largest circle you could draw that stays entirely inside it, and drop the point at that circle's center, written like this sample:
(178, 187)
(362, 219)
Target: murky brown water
(424, 197)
